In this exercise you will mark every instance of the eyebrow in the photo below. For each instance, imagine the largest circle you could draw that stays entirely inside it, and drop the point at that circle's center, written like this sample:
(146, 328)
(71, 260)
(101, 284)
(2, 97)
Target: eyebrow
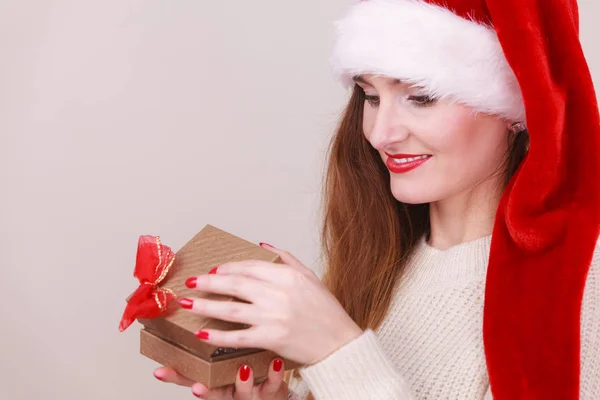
(360, 79)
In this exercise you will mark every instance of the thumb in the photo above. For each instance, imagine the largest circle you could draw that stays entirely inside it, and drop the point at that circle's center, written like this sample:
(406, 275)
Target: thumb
(274, 378)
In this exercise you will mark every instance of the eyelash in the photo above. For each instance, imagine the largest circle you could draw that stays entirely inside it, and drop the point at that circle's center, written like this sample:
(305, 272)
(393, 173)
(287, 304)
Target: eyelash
(420, 101)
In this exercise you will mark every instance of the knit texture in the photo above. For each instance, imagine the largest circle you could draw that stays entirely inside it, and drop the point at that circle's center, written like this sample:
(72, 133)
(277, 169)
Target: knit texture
(430, 345)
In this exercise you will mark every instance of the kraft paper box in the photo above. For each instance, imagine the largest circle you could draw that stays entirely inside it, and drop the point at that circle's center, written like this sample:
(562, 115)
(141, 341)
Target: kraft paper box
(169, 338)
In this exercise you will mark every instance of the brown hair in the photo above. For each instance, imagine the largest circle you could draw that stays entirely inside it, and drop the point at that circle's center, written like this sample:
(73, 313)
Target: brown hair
(367, 235)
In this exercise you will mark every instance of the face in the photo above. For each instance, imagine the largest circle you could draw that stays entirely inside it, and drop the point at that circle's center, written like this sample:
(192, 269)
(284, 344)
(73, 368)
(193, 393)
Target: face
(441, 149)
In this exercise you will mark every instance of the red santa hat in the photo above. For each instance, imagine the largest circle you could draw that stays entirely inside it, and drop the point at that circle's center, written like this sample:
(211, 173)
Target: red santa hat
(521, 60)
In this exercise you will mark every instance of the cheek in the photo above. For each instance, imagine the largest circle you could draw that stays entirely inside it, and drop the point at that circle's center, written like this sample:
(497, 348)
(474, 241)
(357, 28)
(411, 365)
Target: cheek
(467, 149)
(448, 132)
(463, 136)
(471, 150)
(368, 121)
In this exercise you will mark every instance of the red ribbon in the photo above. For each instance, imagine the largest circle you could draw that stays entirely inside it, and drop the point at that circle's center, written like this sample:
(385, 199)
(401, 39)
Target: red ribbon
(152, 265)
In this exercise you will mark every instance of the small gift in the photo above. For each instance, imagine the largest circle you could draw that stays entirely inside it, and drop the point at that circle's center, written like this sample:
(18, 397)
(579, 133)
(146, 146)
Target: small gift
(168, 333)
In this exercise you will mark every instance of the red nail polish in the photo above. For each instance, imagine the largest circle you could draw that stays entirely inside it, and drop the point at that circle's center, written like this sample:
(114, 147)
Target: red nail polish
(186, 303)
(213, 271)
(265, 244)
(197, 395)
(244, 373)
(202, 335)
(160, 378)
(191, 282)
(277, 364)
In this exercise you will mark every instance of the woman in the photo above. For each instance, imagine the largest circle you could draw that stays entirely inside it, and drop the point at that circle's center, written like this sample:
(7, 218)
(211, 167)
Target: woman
(434, 202)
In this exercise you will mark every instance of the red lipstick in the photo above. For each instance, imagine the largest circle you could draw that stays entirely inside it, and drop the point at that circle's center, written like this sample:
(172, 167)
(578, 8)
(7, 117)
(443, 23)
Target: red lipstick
(408, 162)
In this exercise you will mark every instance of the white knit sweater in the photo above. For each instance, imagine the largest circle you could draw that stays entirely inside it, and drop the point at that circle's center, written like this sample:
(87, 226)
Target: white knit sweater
(430, 345)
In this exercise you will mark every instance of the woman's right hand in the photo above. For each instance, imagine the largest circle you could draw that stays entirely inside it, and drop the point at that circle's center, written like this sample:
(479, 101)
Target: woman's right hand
(272, 388)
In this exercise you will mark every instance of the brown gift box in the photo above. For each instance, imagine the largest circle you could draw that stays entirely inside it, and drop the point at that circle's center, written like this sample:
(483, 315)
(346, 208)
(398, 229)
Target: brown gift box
(170, 340)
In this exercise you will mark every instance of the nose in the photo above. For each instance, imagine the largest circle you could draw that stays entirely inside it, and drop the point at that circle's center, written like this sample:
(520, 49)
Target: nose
(385, 126)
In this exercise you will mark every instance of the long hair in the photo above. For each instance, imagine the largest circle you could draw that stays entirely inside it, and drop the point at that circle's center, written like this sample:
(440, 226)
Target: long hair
(367, 236)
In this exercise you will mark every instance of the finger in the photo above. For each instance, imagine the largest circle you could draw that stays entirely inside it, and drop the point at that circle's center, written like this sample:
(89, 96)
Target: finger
(168, 375)
(241, 286)
(272, 273)
(257, 269)
(242, 338)
(274, 378)
(233, 311)
(202, 392)
(244, 383)
(285, 256)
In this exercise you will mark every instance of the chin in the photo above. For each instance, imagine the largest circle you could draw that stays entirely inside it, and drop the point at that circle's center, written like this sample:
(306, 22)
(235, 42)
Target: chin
(412, 194)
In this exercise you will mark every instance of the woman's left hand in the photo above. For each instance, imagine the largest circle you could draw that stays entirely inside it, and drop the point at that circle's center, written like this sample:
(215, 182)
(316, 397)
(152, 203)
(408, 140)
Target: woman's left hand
(290, 311)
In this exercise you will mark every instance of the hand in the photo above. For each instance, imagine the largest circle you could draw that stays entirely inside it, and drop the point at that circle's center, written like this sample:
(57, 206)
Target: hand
(290, 311)
(272, 388)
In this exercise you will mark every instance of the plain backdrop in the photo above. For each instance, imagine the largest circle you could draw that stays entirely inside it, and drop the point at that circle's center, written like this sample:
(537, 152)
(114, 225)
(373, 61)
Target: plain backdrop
(127, 117)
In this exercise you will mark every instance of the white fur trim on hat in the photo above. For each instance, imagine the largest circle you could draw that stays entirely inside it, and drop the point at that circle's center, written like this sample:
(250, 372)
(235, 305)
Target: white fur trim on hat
(429, 46)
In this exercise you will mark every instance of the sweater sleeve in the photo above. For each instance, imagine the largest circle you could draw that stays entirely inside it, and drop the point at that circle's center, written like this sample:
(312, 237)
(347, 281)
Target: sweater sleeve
(358, 370)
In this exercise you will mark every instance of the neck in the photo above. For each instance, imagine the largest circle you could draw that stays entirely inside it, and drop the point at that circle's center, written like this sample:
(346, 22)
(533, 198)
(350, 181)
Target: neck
(465, 216)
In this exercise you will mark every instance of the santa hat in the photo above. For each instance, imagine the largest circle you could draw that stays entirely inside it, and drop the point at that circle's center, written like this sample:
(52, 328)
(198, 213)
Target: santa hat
(521, 60)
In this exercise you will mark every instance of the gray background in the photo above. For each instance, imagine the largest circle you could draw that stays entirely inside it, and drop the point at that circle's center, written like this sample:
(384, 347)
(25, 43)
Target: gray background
(128, 117)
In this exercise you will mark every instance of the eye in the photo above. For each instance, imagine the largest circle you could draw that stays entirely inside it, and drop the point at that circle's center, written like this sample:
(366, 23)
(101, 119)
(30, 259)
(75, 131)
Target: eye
(372, 100)
(422, 101)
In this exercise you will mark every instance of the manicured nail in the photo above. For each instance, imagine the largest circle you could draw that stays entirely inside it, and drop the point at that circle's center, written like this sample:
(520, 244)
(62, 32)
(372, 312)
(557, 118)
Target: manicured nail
(191, 282)
(244, 373)
(160, 378)
(202, 335)
(213, 271)
(197, 395)
(265, 244)
(277, 364)
(186, 303)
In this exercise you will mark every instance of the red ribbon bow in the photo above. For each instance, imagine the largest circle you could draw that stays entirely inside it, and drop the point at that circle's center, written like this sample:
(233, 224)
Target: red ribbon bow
(152, 265)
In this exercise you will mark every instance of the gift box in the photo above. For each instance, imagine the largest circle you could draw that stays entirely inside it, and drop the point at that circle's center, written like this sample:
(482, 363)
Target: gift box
(167, 335)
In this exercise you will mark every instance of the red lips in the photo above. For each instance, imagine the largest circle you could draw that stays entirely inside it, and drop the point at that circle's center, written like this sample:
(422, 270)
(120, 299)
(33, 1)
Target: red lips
(400, 168)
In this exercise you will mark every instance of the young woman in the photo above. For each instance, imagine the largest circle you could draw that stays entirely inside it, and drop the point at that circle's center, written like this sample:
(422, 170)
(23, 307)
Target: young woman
(461, 218)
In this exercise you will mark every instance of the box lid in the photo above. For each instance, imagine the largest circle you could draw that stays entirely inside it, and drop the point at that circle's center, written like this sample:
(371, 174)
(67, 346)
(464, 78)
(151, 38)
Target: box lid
(208, 249)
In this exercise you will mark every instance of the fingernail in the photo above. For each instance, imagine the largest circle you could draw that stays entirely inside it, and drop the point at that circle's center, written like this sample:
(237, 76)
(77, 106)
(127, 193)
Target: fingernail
(160, 378)
(202, 335)
(197, 395)
(265, 244)
(244, 373)
(213, 271)
(191, 282)
(186, 303)
(277, 364)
